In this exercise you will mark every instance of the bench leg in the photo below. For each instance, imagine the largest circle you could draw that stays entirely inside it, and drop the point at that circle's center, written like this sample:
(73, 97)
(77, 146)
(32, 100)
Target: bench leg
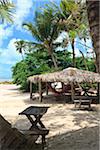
(89, 106)
(75, 105)
(43, 141)
(79, 104)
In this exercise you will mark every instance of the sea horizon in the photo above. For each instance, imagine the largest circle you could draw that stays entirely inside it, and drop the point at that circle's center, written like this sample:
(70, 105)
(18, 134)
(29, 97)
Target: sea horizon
(6, 79)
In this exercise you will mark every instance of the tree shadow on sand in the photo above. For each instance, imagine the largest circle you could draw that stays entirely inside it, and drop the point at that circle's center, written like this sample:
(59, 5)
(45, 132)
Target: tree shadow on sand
(83, 139)
(86, 138)
(86, 117)
(50, 99)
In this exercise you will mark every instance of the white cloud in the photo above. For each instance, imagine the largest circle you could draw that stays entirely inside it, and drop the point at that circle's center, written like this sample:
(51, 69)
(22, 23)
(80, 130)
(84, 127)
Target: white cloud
(9, 55)
(62, 36)
(8, 58)
(77, 52)
(89, 42)
(5, 32)
(91, 53)
(22, 11)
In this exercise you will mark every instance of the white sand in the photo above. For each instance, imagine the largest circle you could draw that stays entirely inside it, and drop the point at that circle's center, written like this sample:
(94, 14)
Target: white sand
(60, 118)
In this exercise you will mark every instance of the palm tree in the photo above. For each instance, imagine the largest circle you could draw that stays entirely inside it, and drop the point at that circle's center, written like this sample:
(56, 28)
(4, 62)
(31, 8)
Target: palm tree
(45, 30)
(93, 17)
(6, 9)
(72, 18)
(21, 47)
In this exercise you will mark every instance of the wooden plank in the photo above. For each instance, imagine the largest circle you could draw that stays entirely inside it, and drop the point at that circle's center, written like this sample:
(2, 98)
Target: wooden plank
(82, 103)
(40, 91)
(85, 97)
(31, 90)
(98, 101)
(72, 91)
(35, 132)
(34, 110)
(46, 88)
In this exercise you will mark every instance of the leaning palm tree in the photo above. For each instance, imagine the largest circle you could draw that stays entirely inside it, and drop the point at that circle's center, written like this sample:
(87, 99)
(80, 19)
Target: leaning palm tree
(75, 21)
(45, 30)
(6, 9)
(72, 19)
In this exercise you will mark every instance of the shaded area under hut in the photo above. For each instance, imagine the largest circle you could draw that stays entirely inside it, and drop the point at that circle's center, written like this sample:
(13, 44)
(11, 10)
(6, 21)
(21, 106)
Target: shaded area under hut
(71, 79)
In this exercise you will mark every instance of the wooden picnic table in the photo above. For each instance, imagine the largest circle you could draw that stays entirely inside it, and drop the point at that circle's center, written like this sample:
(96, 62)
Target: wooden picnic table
(37, 126)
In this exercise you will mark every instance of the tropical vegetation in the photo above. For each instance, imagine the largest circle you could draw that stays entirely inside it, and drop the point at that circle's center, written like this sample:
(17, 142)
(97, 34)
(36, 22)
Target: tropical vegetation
(38, 62)
(6, 11)
(42, 54)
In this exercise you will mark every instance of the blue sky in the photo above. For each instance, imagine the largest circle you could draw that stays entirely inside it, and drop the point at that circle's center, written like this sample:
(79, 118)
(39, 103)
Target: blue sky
(25, 10)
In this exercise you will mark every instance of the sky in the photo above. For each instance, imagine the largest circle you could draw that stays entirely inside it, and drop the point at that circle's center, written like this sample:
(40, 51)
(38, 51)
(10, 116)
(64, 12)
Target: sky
(25, 11)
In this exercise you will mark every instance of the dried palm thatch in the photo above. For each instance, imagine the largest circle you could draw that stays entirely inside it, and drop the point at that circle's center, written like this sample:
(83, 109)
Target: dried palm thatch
(68, 75)
(48, 77)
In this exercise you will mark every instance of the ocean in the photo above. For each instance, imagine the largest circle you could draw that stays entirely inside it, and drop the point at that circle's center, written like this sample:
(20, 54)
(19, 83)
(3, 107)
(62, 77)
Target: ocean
(3, 80)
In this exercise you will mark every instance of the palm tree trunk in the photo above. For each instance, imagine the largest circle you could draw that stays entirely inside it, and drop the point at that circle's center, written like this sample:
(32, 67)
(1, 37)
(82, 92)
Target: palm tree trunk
(73, 48)
(93, 17)
(50, 51)
(54, 61)
(86, 66)
(22, 56)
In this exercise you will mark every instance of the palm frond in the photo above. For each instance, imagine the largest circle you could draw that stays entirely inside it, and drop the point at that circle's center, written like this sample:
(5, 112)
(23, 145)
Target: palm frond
(34, 30)
(6, 11)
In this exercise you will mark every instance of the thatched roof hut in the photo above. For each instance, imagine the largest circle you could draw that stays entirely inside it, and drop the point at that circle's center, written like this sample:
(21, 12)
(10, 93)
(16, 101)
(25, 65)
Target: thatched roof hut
(68, 75)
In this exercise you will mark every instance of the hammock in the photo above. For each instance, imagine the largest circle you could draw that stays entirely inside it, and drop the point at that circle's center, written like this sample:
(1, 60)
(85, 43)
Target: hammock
(65, 88)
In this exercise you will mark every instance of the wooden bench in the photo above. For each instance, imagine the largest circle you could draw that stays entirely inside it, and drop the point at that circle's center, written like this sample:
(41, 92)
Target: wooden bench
(40, 131)
(34, 115)
(83, 102)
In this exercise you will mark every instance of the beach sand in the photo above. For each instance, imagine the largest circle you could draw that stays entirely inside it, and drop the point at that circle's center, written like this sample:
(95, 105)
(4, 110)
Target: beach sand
(70, 129)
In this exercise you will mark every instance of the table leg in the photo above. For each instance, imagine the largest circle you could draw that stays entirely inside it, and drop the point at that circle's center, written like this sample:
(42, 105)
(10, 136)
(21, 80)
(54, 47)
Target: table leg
(31, 120)
(39, 121)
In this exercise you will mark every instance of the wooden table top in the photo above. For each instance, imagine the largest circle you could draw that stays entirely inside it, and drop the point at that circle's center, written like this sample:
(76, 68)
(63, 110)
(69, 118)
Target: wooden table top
(34, 110)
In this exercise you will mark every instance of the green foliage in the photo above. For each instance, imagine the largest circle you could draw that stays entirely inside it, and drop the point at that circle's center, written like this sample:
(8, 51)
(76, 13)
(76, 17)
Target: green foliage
(39, 62)
(20, 74)
(64, 59)
(89, 62)
(36, 62)
(6, 10)
(42, 56)
(45, 30)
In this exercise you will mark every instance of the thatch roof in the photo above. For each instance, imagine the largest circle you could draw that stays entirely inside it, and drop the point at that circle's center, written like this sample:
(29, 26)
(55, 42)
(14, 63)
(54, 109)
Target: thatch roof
(67, 76)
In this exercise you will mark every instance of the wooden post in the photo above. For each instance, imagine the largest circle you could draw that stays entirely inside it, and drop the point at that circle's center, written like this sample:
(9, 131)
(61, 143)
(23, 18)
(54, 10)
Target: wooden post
(98, 93)
(30, 90)
(63, 90)
(46, 89)
(72, 91)
(40, 91)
